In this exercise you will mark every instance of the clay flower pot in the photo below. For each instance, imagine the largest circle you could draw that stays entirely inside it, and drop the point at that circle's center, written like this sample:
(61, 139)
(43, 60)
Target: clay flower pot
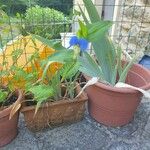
(56, 113)
(113, 106)
(8, 126)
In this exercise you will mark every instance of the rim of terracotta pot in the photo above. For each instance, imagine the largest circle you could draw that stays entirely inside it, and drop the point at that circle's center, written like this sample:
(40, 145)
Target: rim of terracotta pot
(6, 111)
(123, 90)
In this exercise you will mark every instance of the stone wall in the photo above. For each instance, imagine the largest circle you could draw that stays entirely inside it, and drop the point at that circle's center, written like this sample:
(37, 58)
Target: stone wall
(133, 26)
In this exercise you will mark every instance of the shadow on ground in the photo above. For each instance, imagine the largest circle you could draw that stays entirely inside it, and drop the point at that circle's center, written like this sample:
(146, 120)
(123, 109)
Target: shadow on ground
(88, 135)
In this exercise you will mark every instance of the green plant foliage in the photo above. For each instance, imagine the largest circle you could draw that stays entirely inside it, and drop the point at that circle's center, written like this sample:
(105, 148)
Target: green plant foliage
(27, 80)
(45, 22)
(67, 75)
(83, 15)
(19, 6)
(63, 5)
(125, 70)
(41, 94)
(108, 58)
(97, 30)
(92, 12)
(14, 6)
(16, 74)
(69, 70)
(83, 32)
(3, 95)
(55, 44)
(8, 28)
(89, 66)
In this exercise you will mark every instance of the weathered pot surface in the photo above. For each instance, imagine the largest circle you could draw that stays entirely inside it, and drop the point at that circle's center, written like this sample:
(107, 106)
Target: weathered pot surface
(8, 127)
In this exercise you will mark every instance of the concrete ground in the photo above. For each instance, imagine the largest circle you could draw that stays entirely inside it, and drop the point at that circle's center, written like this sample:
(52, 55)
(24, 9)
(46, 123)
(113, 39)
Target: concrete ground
(88, 135)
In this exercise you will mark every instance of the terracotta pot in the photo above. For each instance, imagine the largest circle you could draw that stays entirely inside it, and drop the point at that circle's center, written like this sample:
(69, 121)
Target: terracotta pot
(116, 106)
(56, 113)
(8, 127)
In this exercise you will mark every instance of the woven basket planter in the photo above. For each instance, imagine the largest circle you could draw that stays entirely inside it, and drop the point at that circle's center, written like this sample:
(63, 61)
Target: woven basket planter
(52, 114)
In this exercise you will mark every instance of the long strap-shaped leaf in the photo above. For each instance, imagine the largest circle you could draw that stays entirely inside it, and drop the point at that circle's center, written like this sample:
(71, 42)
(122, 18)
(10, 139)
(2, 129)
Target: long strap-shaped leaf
(83, 15)
(97, 30)
(124, 73)
(94, 16)
(103, 47)
(105, 54)
(56, 45)
(89, 66)
(60, 57)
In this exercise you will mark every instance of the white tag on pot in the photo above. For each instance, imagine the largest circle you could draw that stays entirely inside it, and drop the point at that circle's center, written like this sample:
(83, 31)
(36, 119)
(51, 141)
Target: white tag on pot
(90, 82)
(124, 85)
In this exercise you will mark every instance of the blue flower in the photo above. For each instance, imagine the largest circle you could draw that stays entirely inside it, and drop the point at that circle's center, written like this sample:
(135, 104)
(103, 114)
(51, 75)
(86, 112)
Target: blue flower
(73, 41)
(82, 43)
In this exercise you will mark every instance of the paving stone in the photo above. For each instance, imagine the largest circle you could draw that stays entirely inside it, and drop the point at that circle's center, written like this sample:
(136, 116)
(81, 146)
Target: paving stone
(122, 146)
(80, 136)
(88, 135)
(144, 145)
(146, 130)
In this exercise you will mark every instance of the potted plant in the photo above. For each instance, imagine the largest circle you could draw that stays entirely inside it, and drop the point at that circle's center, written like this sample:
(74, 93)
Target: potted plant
(15, 73)
(51, 101)
(10, 103)
(108, 104)
(9, 114)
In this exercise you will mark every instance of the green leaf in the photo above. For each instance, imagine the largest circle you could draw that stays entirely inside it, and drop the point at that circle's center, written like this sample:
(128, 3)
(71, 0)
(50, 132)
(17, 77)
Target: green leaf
(41, 94)
(56, 84)
(16, 54)
(114, 75)
(83, 31)
(119, 62)
(97, 30)
(118, 67)
(59, 56)
(33, 57)
(83, 15)
(92, 12)
(62, 56)
(3, 95)
(43, 40)
(106, 57)
(123, 75)
(89, 66)
(69, 70)
(56, 45)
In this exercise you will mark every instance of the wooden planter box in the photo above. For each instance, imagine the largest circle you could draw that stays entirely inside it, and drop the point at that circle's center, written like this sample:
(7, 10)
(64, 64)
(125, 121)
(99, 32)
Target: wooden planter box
(56, 113)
